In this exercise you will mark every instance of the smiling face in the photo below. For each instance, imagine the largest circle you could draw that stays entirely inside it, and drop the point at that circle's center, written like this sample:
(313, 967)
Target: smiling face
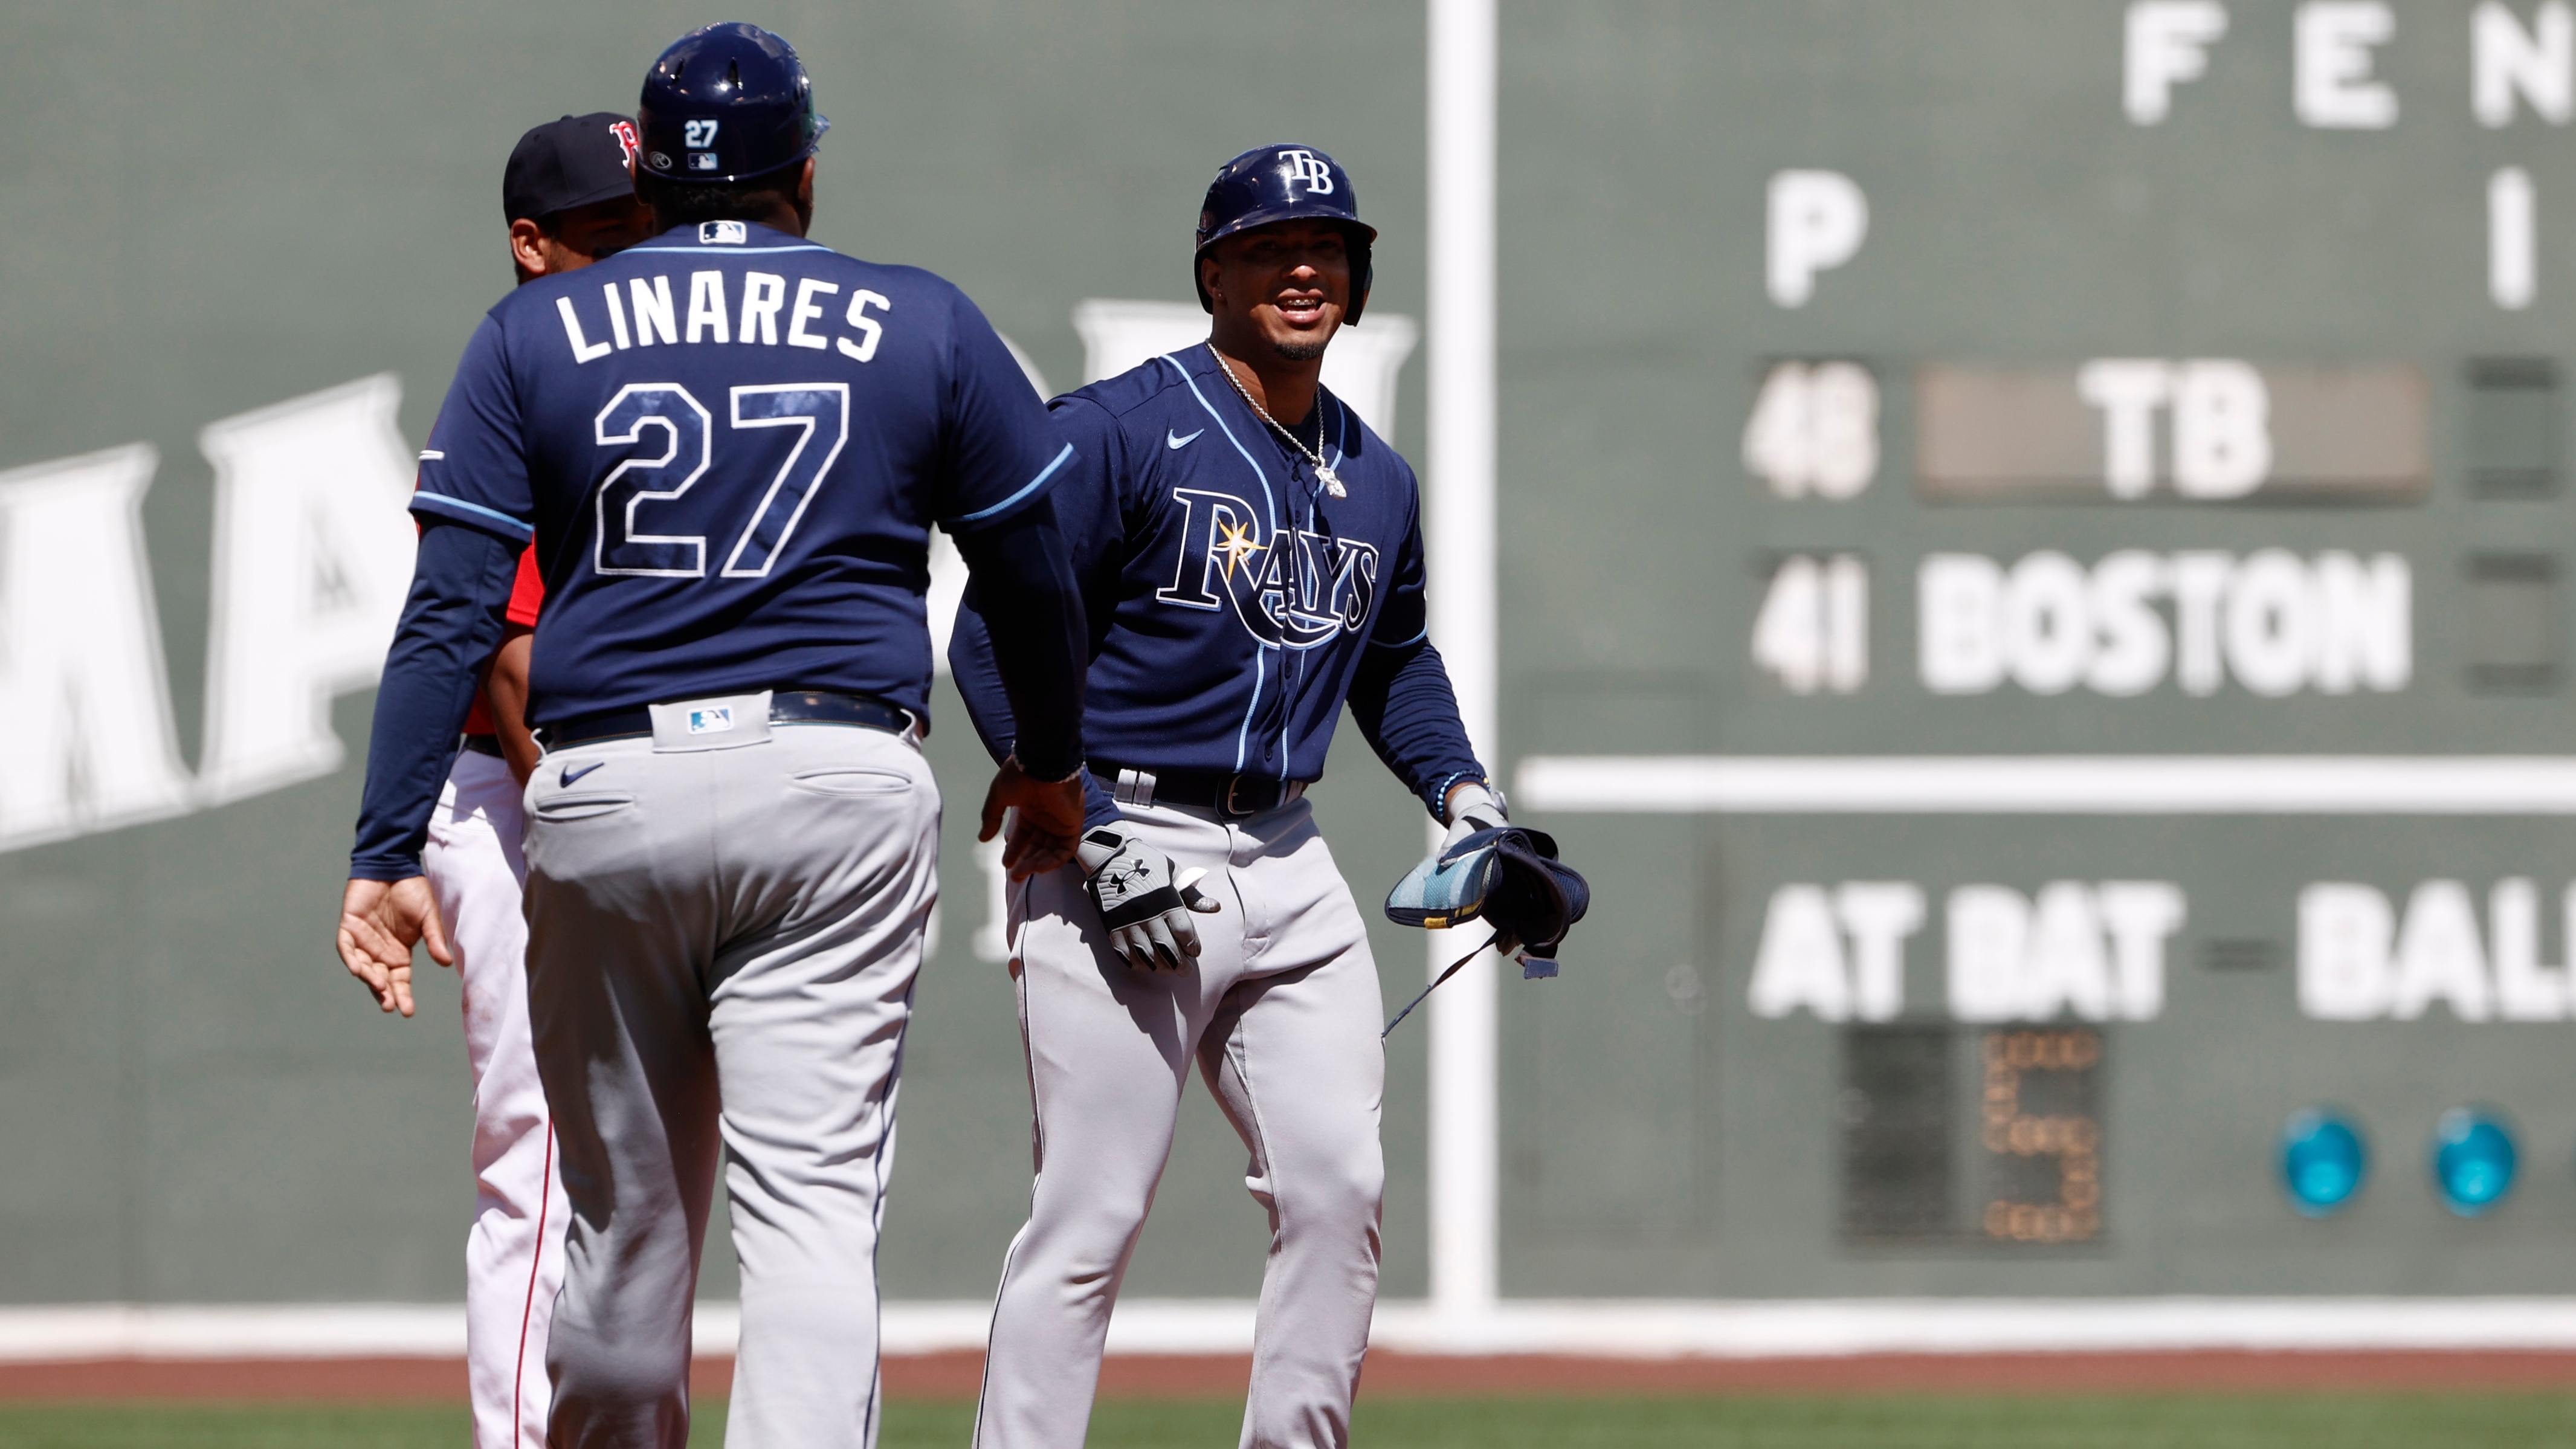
(1284, 286)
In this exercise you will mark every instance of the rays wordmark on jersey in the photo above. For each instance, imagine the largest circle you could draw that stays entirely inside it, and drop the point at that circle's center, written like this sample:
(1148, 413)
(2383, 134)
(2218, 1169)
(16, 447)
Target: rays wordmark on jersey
(1290, 589)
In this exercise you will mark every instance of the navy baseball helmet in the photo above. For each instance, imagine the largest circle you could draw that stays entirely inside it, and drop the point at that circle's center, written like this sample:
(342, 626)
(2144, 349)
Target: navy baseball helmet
(726, 103)
(1284, 183)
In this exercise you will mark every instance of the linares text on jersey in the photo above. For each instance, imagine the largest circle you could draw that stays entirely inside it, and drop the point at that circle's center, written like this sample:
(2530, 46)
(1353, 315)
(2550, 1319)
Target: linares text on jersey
(711, 319)
(312, 553)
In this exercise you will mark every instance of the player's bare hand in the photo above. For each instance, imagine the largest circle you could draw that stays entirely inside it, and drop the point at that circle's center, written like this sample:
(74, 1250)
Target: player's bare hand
(1050, 819)
(379, 921)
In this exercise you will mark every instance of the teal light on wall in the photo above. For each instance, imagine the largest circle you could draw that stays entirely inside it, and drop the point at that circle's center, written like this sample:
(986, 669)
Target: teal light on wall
(2473, 1159)
(2324, 1161)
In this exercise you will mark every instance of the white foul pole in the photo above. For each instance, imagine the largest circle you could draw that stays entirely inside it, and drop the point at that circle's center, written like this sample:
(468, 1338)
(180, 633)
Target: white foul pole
(1464, 1081)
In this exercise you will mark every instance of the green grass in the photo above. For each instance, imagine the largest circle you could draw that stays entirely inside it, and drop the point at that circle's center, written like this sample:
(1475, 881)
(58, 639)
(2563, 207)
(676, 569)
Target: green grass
(2499, 1420)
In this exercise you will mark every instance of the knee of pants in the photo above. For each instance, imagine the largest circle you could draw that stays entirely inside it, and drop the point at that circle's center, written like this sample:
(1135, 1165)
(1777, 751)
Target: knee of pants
(1345, 1192)
(1086, 1226)
(1101, 1188)
(603, 1374)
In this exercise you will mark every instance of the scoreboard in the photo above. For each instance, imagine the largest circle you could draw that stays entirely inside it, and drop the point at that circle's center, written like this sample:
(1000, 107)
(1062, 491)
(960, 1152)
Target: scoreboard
(2035, 541)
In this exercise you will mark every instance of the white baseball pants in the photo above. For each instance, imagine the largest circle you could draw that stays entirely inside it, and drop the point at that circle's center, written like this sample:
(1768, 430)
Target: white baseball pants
(514, 1251)
(722, 946)
(1281, 1011)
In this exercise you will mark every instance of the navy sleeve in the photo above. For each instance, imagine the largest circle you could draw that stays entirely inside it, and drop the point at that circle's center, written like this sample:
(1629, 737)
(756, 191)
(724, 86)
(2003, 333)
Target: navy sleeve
(1002, 451)
(1402, 702)
(474, 469)
(451, 623)
(979, 683)
(1033, 634)
(1400, 695)
(1085, 504)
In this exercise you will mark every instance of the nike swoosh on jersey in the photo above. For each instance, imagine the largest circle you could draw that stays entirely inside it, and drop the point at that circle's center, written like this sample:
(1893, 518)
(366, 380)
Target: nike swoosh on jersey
(571, 773)
(1176, 442)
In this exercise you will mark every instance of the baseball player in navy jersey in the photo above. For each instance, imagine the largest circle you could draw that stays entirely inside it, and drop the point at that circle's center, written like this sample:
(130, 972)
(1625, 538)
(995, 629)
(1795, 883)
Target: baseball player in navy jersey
(728, 445)
(1250, 555)
(569, 200)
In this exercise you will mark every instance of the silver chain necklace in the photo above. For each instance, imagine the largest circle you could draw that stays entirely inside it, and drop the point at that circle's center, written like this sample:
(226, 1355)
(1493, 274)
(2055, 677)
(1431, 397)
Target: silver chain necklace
(1323, 471)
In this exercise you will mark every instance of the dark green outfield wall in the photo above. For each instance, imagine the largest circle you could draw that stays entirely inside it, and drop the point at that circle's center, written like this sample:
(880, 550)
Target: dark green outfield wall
(211, 209)
(221, 207)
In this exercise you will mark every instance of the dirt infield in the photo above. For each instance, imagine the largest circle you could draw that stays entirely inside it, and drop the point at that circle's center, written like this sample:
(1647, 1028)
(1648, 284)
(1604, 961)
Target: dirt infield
(955, 1375)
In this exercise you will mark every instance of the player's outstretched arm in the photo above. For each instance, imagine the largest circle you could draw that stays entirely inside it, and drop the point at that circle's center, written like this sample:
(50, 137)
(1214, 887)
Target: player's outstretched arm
(451, 621)
(379, 921)
(1025, 651)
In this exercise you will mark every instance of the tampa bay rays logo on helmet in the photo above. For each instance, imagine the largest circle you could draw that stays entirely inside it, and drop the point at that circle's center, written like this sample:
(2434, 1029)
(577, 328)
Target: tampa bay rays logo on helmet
(1309, 170)
(1288, 587)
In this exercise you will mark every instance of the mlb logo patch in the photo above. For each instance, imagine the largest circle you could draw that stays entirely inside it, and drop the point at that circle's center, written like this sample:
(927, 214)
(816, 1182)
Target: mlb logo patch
(702, 160)
(723, 233)
(711, 721)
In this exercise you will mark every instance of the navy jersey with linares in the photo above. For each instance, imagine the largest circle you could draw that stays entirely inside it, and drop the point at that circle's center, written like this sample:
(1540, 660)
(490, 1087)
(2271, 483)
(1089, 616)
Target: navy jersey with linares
(1234, 603)
(730, 446)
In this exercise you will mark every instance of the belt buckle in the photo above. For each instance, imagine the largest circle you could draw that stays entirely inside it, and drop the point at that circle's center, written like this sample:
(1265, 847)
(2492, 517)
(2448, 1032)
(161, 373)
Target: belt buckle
(1233, 783)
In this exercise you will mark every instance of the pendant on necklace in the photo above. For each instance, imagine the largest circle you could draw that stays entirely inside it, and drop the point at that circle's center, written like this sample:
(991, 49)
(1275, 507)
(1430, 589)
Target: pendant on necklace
(1332, 482)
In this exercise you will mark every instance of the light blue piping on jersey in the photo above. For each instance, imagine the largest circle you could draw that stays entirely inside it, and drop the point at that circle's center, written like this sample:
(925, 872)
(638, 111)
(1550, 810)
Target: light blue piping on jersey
(1342, 447)
(496, 515)
(731, 251)
(1032, 486)
(1243, 733)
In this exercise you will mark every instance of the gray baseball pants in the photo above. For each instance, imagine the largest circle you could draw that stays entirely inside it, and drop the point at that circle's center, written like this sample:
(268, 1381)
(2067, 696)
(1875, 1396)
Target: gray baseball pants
(721, 950)
(1281, 1012)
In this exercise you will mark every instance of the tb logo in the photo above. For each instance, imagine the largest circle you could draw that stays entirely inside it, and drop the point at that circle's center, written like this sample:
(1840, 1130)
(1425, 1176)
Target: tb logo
(1305, 167)
(1292, 589)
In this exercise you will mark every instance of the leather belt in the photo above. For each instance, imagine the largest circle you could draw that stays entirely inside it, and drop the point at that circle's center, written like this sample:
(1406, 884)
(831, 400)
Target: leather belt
(1234, 797)
(786, 706)
(485, 745)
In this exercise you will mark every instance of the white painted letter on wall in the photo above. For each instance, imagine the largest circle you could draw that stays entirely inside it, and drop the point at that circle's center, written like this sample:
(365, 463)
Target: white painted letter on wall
(2128, 390)
(2345, 931)
(2166, 43)
(2222, 429)
(2332, 78)
(312, 557)
(2525, 989)
(2513, 240)
(2538, 64)
(1800, 961)
(1879, 916)
(90, 743)
(2439, 957)
(1817, 222)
